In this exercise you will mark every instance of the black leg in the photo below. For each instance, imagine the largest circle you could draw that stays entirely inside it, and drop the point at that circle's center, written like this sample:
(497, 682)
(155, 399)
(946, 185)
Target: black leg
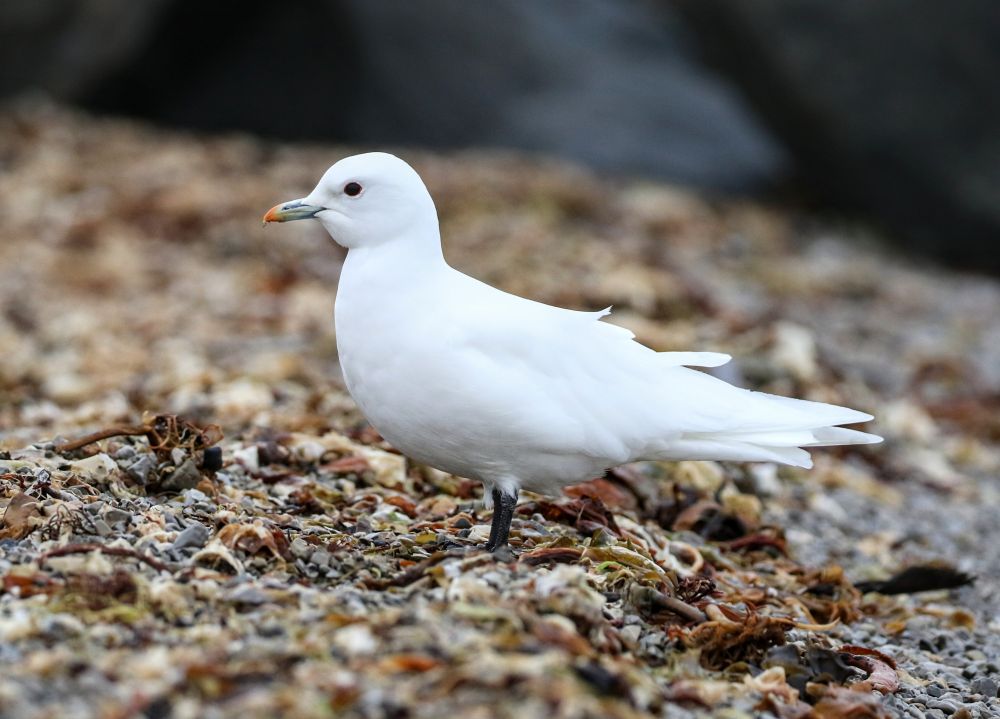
(503, 514)
(491, 543)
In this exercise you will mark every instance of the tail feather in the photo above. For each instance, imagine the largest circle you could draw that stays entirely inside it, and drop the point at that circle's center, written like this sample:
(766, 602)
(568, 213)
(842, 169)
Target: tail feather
(777, 438)
(782, 445)
(824, 414)
(832, 436)
(730, 450)
(819, 437)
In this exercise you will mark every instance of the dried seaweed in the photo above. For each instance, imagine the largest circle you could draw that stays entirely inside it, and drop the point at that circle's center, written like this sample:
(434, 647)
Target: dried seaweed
(164, 432)
(730, 638)
(85, 548)
(925, 578)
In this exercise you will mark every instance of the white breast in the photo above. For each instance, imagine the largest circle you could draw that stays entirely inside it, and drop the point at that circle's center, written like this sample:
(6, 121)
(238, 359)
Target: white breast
(404, 364)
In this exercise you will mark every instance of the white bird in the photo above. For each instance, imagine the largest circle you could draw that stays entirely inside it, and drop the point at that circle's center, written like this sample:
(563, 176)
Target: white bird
(483, 384)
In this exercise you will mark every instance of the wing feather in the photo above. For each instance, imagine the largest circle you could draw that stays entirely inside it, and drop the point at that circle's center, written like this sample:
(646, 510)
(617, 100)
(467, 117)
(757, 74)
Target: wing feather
(586, 386)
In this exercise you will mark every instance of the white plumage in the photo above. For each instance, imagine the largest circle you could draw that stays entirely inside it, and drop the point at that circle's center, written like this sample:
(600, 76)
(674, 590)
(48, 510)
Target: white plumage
(518, 394)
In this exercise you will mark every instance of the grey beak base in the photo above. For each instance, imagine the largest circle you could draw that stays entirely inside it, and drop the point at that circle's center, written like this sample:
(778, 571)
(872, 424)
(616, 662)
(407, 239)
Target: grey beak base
(294, 210)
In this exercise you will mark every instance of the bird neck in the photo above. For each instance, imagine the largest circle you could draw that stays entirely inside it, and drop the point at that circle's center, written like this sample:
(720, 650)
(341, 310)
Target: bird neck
(415, 255)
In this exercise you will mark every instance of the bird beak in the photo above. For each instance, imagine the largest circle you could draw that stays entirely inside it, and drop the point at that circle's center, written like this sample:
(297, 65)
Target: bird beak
(294, 210)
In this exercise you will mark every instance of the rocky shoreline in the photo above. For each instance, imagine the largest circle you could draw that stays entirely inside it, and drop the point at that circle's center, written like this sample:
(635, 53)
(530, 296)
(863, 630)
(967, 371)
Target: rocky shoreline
(241, 543)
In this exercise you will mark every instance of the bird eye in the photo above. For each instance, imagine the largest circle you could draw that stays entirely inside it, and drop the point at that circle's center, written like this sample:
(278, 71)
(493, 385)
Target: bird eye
(352, 189)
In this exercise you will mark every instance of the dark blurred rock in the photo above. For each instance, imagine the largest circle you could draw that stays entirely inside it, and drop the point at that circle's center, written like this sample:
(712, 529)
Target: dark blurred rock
(67, 48)
(608, 83)
(613, 84)
(288, 70)
(887, 107)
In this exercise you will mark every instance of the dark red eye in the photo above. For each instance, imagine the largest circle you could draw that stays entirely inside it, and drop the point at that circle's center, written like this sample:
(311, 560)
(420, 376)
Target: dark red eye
(352, 189)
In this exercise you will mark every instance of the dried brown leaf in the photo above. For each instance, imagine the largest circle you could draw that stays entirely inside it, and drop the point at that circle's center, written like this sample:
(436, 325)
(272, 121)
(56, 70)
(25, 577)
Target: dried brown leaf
(843, 703)
(253, 537)
(20, 517)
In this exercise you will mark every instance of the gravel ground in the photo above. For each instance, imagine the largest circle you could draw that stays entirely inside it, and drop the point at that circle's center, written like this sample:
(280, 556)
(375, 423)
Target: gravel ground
(241, 543)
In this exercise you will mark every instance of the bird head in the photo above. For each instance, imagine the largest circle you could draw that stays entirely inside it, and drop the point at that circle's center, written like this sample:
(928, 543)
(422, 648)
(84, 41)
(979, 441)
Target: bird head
(365, 200)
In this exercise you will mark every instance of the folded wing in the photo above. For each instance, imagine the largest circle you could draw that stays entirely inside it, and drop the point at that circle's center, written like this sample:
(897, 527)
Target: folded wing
(586, 386)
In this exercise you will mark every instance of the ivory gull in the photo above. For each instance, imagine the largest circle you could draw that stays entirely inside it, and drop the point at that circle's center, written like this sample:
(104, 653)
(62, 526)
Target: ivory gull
(518, 394)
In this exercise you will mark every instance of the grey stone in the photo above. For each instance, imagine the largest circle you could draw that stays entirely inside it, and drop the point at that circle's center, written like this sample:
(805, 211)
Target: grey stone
(985, 686)
(954, 681)
(60, 626)
(301, 548)
(170, 518)
(272, 630)
(194, 497)
(320, 557)
(193, 536)
(140, 469)
(947, 706)
(115, 515)
(248, 594)
(125, 452)
(102, 528)
(185, 476)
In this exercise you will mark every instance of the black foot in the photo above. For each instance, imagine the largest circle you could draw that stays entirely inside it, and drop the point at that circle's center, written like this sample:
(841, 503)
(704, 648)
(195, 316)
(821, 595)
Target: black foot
(458, 548)
(503, 514)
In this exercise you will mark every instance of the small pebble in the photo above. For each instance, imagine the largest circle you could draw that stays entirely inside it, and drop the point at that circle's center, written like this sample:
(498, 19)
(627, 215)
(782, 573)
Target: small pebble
(985, 686)
(631, 633)
(61, 626)
(301, 548)
(944, 705)
(272, 630)
(115, 515)
(193, 536)
(248, 594)
(186, 476)
(194, 497)
(125, 452)
(320, 557)
(140, 469)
